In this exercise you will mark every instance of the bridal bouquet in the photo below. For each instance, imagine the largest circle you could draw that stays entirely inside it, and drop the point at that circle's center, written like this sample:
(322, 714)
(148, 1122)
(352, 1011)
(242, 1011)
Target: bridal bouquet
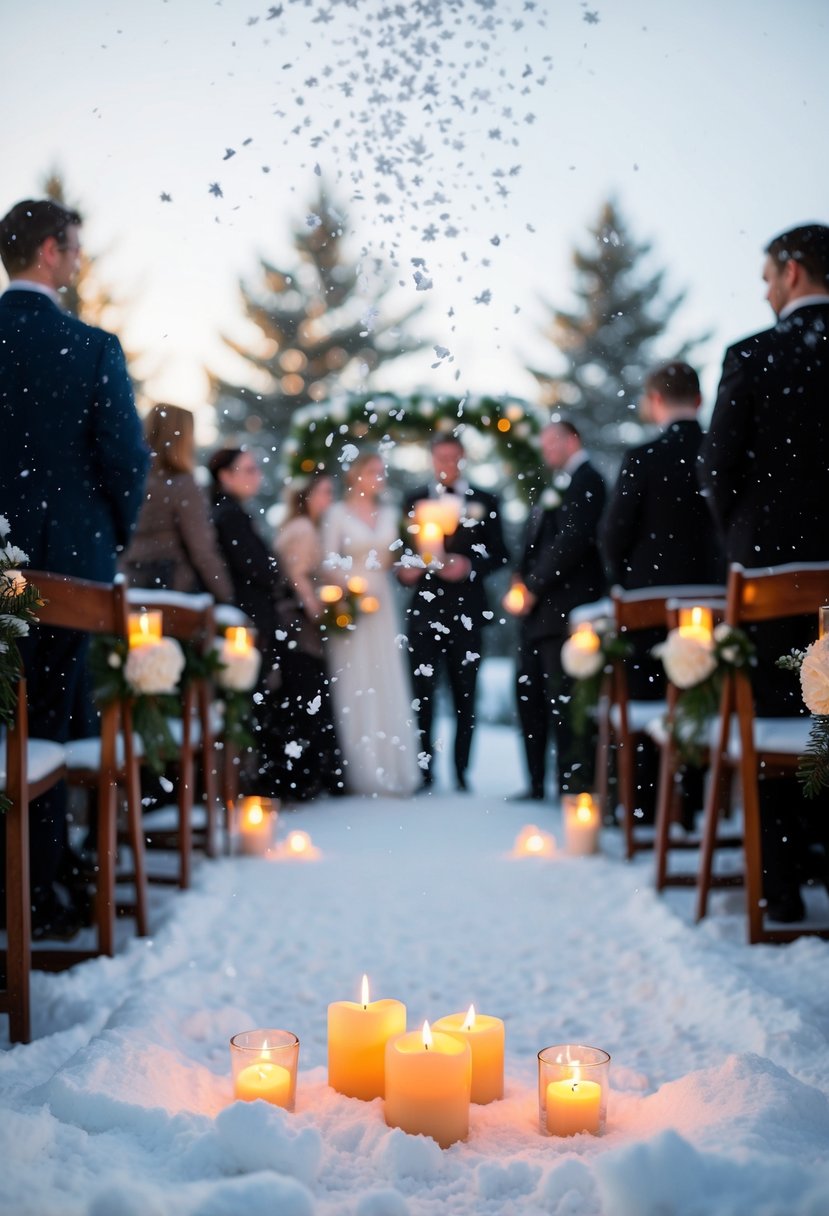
(585, 656)
(813, 666)
(342, 605)
(697, 667)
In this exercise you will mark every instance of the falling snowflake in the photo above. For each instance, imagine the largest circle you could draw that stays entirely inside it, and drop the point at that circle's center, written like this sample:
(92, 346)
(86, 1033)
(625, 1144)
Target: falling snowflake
(216, 190)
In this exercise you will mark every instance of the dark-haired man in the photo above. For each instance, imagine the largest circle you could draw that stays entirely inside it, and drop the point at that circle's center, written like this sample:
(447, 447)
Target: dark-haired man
(72, 468)
(561, 568)
(765, 467)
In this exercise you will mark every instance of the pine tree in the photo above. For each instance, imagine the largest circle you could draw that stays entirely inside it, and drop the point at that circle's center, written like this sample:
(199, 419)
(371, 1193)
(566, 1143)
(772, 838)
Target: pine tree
(318, 333)
(89, 298)
(612, 339)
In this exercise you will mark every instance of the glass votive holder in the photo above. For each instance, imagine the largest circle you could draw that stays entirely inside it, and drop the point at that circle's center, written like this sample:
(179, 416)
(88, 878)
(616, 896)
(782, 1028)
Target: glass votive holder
(264, 1064)
(823, 620)
(582, 822)
(253, 825)
(573, 1085)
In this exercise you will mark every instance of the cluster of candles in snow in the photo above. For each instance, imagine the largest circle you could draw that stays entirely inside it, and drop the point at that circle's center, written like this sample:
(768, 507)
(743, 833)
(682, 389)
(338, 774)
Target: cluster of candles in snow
(427, 1078)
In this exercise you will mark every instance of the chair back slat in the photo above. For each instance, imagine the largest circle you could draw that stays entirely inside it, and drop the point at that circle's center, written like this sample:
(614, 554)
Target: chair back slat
(646, 608)
(188, 618)
(78, 603)
(776, 592)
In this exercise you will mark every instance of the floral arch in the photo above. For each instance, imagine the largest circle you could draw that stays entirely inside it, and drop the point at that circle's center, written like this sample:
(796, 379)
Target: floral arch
(507, 425)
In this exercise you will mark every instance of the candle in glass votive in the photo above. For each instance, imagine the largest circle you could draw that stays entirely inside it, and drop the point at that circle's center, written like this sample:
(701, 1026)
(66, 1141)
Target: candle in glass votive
(264, 1064)
(239, 639)
(585, 638)
(357, 1037)
(581, 824)
(485, 1036)
(255, 819)
(144, 627)
(697, 623)
(428, 1085)
(572, 1090)
(823, 621)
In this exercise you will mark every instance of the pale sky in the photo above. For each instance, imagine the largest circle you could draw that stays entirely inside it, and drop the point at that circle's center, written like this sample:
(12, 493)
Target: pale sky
(704, 119)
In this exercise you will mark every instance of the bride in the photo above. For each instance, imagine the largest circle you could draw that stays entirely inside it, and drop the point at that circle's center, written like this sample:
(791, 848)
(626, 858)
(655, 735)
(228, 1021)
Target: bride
(369, 677)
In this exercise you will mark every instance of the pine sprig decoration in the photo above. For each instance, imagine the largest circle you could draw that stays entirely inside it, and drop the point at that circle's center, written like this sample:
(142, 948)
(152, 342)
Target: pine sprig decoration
(18, 602)
(584, 698)
(813, 769)
(811, 666)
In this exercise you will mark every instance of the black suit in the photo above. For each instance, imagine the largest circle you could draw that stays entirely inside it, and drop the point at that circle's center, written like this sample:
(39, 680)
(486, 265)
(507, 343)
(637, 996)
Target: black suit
(561, 565)
(659, 532)
(765, 467)
(445, 620)
(72, 468)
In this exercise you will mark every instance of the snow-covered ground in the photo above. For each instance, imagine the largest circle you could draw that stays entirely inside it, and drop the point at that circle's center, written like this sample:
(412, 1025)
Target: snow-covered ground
(720, 1069)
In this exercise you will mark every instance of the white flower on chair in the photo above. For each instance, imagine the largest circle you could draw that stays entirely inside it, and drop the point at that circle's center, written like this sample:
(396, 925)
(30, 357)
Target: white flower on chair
(155, 669)
(579, 663)
(687, 661)
(240, 670)
(814, 677)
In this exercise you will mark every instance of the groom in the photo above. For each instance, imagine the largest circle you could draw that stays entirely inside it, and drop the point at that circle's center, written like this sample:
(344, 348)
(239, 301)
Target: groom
(448, 608)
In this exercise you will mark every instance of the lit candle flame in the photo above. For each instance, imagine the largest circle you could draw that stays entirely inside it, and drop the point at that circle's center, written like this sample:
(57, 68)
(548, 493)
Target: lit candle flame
(470, 1018)
(237, 636)
(535, 843)
(427, 1035)
(298, 842)
(584, 808)
(365, 992)
(255, 813)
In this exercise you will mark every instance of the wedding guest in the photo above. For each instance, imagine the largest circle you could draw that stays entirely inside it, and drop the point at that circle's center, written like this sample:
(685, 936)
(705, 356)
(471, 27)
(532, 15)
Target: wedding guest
(764, 468)
(259, 590)
(369, 681)
(658, 532)
(308, 725)
(561, 568)
(174, 546)
(72, 468)
(449, 609)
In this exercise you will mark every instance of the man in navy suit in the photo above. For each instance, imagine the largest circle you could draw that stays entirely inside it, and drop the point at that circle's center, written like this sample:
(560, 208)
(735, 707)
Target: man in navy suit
(449, 607)
(765, 468)
(72, 468)
(561, 568)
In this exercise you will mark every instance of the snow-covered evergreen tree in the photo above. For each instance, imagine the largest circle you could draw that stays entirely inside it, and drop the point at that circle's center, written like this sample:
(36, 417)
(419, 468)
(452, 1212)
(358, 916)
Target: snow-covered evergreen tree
(320, 331)
(612, 338)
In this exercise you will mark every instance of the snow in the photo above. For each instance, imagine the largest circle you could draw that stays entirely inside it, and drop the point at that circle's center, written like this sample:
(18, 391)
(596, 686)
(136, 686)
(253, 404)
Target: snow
(719, 1077)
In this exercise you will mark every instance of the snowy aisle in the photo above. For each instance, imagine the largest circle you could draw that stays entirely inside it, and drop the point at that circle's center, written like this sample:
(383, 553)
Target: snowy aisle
(720, 1069)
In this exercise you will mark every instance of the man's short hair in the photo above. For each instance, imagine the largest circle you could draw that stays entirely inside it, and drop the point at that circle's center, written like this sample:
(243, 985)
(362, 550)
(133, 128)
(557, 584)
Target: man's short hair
(24, 229)
(808, 245)
(443, 437)
(676, 381)
(566, 424)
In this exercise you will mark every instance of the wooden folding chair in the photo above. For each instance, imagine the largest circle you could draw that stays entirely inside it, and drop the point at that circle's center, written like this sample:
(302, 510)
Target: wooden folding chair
(750, 743)
(624, 721)
(28, 768)
(102, 763)
(670, 763)
(189, 619)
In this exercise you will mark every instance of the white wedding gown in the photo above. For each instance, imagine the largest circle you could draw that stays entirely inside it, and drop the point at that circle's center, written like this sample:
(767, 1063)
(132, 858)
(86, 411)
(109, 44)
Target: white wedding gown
(370, 683)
